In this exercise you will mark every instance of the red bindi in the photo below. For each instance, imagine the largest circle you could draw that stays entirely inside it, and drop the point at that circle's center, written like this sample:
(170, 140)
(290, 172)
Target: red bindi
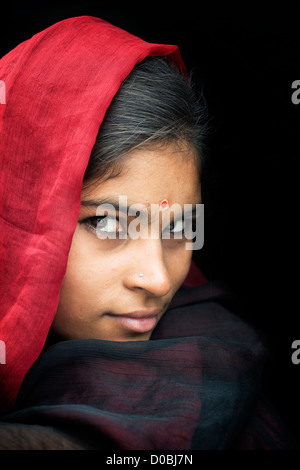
(164, 204)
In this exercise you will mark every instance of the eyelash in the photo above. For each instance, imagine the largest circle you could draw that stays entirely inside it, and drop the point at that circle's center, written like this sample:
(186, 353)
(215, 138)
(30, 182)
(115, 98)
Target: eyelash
(88, 224)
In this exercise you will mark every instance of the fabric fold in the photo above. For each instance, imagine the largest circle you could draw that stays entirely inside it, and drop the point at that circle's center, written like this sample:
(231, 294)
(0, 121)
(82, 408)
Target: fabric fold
(194, 390)
(59, 84)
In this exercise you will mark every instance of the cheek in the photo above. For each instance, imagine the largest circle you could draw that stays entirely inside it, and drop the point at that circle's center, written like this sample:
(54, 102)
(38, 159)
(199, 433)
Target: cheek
(86, 276)
(92, 273)
(179, 262)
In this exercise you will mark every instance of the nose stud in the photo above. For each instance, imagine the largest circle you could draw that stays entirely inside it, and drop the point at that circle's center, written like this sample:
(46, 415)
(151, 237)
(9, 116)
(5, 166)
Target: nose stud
(141, 274)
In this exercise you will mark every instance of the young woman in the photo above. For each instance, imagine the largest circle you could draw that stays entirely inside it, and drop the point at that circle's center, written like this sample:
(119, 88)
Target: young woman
(100, 129)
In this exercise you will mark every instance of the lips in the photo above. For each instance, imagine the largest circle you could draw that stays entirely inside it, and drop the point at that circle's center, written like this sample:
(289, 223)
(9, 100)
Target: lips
(139, 321)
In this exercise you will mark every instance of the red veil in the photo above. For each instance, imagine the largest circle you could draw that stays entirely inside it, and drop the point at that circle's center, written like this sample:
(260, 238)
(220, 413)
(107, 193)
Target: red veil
(59, 85)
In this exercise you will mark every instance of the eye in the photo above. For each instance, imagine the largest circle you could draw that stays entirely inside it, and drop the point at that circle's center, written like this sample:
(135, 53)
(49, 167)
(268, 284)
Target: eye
(106, 224)
(174, 230)
(177, 226)
(102, 225)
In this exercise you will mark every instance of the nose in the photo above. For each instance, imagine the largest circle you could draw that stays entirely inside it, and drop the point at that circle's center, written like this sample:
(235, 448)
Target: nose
(148, 260)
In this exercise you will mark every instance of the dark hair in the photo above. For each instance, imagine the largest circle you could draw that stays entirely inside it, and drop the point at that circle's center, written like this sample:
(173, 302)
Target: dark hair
(155, 105)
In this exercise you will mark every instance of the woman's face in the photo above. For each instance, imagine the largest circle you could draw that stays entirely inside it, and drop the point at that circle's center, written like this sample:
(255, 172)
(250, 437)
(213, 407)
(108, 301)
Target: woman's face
(103, 295)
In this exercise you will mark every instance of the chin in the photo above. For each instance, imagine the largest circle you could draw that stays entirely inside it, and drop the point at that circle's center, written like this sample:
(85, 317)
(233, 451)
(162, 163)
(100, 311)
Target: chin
(131, 337)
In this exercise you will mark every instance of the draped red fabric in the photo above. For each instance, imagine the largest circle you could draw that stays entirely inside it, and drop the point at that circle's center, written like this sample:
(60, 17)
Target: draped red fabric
(59, 85)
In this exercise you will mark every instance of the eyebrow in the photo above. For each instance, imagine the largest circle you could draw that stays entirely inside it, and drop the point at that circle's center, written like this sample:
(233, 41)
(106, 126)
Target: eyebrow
(124, 208)
(113, 202)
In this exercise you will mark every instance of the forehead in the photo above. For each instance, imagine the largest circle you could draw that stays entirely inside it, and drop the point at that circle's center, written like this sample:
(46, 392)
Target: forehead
(152, 175)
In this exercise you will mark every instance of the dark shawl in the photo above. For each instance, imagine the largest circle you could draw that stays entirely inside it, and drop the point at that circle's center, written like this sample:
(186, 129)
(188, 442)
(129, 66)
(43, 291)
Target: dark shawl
(195, 385)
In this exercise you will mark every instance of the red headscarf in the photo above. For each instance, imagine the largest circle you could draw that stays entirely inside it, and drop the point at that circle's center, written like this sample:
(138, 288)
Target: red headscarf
(59, 85)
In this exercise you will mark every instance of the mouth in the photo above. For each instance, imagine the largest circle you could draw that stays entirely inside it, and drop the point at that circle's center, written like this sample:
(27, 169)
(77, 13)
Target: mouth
(139, 321)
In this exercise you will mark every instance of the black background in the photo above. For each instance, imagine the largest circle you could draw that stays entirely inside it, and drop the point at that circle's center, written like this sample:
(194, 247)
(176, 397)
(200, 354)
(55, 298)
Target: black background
(245, 57)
